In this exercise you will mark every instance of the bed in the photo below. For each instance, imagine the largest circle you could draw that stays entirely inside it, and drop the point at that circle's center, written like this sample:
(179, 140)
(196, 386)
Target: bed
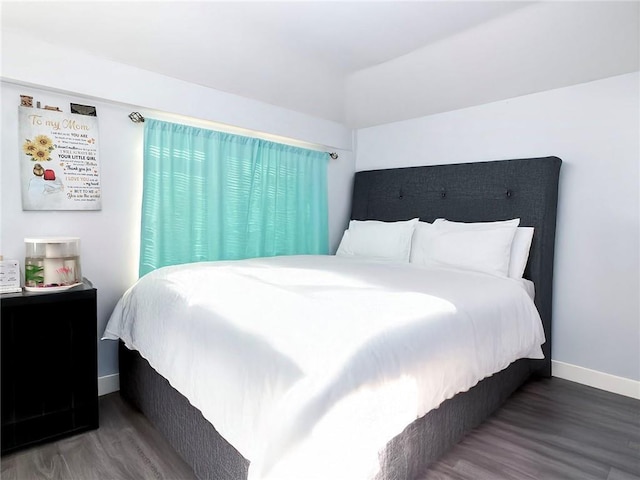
(298, 425)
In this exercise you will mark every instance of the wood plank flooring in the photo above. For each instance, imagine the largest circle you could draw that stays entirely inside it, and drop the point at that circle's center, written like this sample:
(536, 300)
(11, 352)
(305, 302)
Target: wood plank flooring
(550, 429)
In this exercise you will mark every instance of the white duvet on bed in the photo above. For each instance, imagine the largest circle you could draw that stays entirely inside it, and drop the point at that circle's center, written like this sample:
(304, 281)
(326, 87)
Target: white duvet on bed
(309, 365)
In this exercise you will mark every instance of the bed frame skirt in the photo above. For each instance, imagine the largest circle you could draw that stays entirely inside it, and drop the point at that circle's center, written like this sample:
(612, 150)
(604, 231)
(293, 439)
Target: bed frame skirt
(406, 456)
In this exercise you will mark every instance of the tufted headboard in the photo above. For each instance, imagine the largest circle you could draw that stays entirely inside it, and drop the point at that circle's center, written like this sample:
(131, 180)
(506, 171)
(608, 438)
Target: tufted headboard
(475, 192)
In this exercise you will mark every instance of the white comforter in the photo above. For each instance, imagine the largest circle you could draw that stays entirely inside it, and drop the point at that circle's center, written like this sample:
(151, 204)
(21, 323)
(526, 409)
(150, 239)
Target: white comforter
(309, 365)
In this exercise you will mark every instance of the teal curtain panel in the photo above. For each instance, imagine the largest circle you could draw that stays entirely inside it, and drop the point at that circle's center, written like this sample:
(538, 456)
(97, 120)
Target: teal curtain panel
(210, 195)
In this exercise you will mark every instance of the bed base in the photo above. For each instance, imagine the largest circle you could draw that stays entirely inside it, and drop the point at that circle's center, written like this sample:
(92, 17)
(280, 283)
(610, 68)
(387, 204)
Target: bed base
(406, 457)
(183, 425)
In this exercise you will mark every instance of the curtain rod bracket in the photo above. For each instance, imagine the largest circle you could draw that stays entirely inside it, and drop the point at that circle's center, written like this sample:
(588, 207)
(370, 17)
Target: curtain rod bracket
(136, 117)
(333, 155)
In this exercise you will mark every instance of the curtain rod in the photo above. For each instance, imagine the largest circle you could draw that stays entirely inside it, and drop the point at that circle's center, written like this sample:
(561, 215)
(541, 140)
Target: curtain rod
(136, 117)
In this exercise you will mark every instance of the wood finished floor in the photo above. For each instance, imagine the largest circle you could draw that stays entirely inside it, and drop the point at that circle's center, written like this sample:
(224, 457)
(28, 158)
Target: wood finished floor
(550, 429)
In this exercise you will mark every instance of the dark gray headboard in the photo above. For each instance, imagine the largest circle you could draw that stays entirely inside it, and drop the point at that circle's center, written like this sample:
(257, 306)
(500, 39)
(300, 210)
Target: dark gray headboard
(474, 192)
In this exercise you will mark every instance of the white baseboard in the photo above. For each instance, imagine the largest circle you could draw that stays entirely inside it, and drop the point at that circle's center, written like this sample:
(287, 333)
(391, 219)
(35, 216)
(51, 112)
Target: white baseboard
(596, 379)
(108, 384)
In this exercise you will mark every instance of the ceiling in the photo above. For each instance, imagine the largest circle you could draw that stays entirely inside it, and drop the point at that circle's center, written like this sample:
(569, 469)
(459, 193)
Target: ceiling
(341, 36)
(236, 46)
(329, 59)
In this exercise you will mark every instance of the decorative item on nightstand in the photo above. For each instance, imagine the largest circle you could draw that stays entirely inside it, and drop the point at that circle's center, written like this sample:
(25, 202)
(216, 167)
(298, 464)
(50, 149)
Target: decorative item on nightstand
(52, 264)
(9, 276)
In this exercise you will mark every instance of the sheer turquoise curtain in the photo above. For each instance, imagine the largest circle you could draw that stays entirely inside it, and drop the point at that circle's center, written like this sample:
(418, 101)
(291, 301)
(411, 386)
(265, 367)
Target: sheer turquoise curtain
(210, 195)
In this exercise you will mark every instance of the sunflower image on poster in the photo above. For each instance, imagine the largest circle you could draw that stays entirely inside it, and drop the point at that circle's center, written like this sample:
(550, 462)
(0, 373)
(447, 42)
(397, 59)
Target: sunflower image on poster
(44, 181)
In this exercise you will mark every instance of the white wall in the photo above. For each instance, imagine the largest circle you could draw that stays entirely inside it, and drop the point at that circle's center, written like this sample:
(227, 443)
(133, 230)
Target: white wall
(595, 129)
(110, 237)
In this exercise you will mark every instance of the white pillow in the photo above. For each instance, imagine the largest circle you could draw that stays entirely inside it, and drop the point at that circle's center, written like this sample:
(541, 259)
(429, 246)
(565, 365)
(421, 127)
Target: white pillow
(379, 240)
(443, 222)
(519, 248)
(485, 250)
(423, 233)
(484, 247)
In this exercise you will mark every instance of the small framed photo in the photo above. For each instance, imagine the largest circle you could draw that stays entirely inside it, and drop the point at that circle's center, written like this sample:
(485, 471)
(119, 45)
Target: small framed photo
(83, 109)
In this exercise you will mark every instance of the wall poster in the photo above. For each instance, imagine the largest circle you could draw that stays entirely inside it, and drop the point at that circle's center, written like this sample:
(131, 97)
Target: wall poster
(59, 164)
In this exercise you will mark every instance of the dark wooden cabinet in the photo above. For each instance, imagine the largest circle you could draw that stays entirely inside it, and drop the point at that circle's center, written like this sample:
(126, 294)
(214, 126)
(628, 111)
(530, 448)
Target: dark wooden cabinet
(49, 365)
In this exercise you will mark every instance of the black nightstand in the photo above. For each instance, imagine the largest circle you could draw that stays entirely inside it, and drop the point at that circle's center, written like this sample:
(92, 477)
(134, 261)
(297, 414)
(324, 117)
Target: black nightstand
(49, 365)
